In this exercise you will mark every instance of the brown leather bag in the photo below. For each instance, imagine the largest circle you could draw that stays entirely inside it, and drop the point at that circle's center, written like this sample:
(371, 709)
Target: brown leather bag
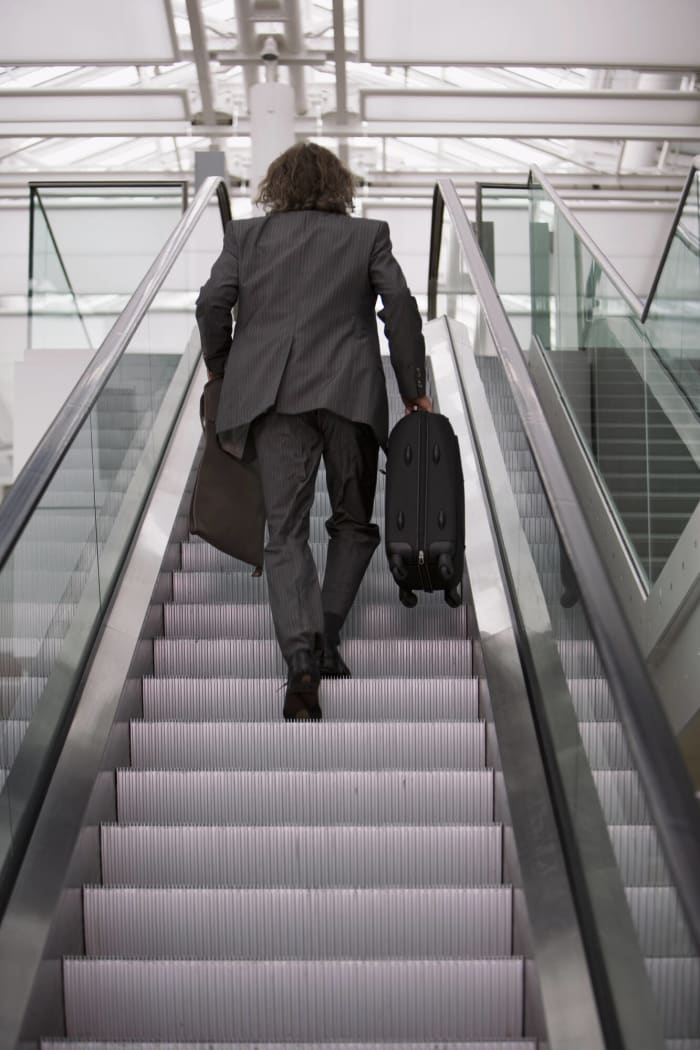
(227, 507)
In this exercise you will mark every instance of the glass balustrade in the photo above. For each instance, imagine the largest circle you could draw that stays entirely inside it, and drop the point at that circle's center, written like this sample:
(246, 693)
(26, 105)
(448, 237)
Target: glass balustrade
(58, 578)
(532, 540)
(631, 389)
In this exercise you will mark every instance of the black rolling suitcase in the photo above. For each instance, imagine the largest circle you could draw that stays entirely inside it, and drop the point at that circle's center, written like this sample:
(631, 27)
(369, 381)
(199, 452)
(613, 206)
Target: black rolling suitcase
(424, 526)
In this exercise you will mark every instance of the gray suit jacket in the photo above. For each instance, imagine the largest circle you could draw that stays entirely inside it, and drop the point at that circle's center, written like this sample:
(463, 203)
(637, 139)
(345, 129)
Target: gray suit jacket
(306, 284)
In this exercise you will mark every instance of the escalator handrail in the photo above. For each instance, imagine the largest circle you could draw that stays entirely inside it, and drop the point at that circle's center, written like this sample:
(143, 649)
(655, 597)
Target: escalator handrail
(40, 468)
(665, 779)
(640, 307)
(692, 174)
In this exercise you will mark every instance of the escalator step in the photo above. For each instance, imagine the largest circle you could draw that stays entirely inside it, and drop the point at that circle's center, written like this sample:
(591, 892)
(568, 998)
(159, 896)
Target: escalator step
(358, 699)
(255, 659)
(298, 924)
(293, 798)
(327, 1000)
(240, 586)
(509, 1044)
(301, 856)
(621, 796)
(675, 983)
(606, 745)
(364, 621)
(658, 917)
(343, 746)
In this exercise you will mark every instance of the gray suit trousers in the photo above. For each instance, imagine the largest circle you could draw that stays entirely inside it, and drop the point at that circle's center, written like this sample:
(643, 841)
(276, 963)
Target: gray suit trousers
(289, 450)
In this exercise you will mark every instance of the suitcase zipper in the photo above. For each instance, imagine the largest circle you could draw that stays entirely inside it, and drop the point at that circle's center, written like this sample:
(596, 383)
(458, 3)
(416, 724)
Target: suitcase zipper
(423, 501)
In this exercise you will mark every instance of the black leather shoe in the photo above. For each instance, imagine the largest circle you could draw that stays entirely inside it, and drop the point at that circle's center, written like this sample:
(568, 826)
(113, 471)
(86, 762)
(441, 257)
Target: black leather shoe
(332, 663)
(301, 698)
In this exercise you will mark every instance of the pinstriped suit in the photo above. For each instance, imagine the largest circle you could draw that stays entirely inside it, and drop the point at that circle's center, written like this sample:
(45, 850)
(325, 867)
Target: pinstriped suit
(304, 370)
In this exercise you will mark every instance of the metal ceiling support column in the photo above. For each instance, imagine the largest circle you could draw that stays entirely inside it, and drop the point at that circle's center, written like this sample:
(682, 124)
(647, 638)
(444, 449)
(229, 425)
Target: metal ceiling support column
(294, 43)
(341, 83)
(246, 41)
(201, 59)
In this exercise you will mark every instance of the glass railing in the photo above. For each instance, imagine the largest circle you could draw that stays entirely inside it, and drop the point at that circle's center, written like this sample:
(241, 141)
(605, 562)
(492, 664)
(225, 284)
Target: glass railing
(67, 523)
(626, 806)
(673, 314)
(90, 245)
(628, 387)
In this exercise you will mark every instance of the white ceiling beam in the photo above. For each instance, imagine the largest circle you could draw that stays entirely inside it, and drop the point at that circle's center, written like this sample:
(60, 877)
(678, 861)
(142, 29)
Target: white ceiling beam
(642, 34)
(198, 34)
(37, 104)
(308, 127)
(580, 107)
(87, 32)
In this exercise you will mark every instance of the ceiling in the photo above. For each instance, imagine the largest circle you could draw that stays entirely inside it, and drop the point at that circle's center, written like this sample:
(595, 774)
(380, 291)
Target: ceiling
(399, 86)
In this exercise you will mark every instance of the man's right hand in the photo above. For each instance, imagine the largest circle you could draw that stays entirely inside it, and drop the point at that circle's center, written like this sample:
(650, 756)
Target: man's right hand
(423, 404)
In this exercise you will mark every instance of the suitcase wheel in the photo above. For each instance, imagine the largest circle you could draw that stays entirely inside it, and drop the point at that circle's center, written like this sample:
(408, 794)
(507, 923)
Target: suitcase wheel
(398, 569)
(453, 597)
(408, 598)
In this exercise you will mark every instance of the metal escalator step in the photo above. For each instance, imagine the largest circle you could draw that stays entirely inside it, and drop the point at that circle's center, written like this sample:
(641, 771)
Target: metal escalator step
(675, 983)
(343, 746)
(54, 556)
(259, 659)
(200, 557)
(580, 659)
(358, 699)
(659, 920)
(621, 796)
(293, 798)
(36, 619)
(365, 621)
(30, 584)
(327, 1000)
(491, 1044)
(101, 461)
(592, 699)
(12, 732)
(605, 745)
(298, 924)
(241, 586)
(301, 856)
(18, 696)
(639, 855)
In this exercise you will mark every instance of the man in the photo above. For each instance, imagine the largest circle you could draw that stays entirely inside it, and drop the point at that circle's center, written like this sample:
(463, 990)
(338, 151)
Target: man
(303, 379)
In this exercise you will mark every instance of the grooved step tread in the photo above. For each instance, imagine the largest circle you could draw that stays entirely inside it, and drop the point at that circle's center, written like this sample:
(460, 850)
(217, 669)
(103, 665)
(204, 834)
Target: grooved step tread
(374, 700)
(301, 856)
(343, 746)
(292, 798)
(332, 1000)
(298, 924)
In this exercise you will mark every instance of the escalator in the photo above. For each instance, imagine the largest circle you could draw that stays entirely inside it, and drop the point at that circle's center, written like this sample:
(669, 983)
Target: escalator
(461, 852)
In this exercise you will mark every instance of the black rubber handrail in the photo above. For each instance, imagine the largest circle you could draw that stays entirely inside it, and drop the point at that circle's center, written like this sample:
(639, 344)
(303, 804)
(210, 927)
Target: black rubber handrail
(664, 776)
(40, 468)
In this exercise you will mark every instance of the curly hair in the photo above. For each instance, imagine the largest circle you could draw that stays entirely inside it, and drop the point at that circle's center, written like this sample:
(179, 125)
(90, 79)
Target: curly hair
(307, 176)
